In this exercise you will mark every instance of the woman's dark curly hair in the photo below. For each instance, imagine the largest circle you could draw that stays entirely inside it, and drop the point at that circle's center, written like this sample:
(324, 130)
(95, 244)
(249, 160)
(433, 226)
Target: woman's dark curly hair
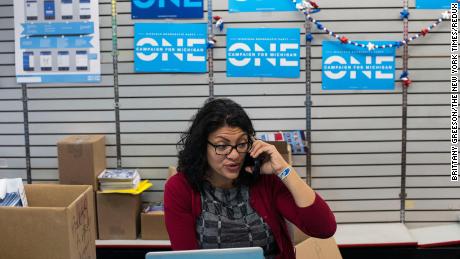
(192, 146)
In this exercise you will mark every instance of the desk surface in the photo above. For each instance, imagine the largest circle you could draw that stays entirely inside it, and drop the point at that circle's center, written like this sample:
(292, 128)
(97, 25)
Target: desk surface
(133, 243)
(382, 234)
(347, 235)
(443, 235)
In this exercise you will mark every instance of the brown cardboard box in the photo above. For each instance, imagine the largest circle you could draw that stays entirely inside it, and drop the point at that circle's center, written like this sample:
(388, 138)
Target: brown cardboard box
(315, 248)
(118, 216)
(153, 226)
(284, 148)
(172, 170)
(296, 234)
(312, 248)
(81, 159)
(59, 223)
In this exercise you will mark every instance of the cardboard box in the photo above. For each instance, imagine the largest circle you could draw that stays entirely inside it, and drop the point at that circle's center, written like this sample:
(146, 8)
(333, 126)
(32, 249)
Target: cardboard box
(59, 223)
(284, 148)
(315, 248)
(307, 247)
(153, 226)
(81, 159)
(172, 170)
(297, 235)
(118, 216)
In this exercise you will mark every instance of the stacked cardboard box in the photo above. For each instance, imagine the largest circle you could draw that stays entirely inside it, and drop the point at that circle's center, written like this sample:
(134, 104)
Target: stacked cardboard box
(153, 226)
(118, 216)
(81, 159)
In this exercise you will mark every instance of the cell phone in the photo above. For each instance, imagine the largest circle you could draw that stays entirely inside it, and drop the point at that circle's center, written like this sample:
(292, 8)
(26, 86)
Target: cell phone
(81, 60)
(45, 61)
(256, 163)
(49, 10)
(63, 61)
(31, 10)
(66, 9)
(28, 61)
(85, 9)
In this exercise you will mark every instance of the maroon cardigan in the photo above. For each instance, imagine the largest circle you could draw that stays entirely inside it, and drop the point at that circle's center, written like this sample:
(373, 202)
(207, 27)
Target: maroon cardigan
(269, 197)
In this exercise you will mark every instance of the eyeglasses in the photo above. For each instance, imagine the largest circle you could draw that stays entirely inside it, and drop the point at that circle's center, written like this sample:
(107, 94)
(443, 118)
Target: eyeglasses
(227, 149)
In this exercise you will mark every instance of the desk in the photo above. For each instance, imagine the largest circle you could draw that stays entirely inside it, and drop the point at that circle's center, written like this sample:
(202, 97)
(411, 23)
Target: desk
(154, 244)
(373, 235)
(356, 241)
(443, 235)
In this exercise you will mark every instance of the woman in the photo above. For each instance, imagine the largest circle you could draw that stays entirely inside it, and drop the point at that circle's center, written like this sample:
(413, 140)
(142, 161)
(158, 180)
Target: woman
(215, 201)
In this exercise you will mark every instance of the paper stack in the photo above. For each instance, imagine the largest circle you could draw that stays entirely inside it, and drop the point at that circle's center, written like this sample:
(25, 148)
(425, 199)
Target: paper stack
(119, 179)
(12, 193)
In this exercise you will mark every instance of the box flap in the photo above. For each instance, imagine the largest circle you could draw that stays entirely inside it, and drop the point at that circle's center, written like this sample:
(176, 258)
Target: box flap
(82, 230)
(80, 139)
(53, 195)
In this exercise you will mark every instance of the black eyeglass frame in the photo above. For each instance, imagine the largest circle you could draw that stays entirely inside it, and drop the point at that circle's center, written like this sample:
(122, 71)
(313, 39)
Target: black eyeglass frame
(232, 147)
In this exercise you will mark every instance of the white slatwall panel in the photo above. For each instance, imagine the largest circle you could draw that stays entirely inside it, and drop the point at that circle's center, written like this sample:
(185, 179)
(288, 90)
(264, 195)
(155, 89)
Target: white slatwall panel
(356, 135)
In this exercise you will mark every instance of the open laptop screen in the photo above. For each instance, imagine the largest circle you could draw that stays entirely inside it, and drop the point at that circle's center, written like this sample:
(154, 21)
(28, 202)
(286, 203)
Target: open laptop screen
(230, 253)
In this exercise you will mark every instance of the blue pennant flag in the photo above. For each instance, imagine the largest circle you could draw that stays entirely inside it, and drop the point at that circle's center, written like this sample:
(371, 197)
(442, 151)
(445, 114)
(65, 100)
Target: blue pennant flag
(69, 42)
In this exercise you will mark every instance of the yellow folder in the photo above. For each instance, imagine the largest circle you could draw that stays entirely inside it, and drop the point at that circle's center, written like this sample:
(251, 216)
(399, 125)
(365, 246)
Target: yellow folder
(143, 185)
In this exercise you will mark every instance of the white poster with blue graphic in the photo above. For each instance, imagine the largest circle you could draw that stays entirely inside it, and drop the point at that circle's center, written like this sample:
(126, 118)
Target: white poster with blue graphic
(162, 9)
(170, 47)
(263, 52)
(347, 67)
(57, 41)
(236, 6)
(434, 4)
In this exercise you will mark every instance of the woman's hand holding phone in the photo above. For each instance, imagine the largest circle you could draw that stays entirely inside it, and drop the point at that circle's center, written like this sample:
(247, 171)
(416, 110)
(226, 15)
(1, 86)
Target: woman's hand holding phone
(271, 161)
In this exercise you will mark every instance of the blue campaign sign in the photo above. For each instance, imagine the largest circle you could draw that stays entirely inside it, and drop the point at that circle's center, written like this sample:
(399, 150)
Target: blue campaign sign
(263, 52)
(158, 9)
(170, 48)
(261, 5)
(347, 67)
(434, 4)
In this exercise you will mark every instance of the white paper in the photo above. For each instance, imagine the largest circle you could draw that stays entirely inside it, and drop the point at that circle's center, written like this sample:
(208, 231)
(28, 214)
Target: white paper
(2, 188)
(16, 185)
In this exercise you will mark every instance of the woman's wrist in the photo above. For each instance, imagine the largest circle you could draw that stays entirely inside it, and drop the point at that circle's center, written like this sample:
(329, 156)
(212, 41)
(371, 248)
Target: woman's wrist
(278, 169)
(284, 173)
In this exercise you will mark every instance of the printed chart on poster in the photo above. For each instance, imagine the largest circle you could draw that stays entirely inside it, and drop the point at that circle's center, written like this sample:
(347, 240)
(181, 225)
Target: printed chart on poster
(170, 47)
(263, 52)
(434, 4)
(236, 6)
(347, 67)
(57, 41)
(162, 9)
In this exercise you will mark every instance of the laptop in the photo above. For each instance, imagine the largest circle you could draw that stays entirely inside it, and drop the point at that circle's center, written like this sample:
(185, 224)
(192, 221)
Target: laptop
(227, 253)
